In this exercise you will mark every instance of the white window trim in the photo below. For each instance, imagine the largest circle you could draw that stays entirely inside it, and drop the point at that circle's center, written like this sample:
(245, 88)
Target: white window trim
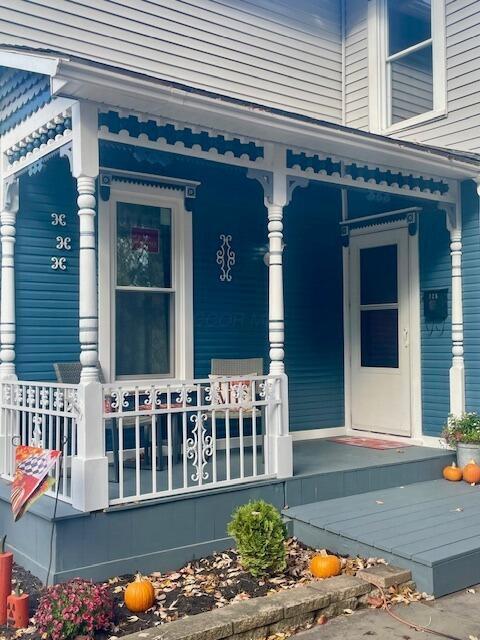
(379, 89)
(182, 276)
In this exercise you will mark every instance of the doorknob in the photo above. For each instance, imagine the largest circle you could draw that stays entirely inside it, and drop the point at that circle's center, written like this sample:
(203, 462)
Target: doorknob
(405, 338)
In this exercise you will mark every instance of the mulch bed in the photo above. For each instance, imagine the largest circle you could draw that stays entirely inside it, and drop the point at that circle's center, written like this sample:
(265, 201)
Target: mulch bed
(203, 585)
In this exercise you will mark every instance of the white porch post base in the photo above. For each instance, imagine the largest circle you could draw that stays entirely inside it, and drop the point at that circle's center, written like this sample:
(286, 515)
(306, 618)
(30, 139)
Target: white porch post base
(3, 448)
(90, 484)
(457, 389)
(90, 465)
(279, 450)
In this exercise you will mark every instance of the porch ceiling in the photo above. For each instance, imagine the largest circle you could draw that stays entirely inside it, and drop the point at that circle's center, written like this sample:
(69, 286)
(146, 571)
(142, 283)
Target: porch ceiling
(76, 78)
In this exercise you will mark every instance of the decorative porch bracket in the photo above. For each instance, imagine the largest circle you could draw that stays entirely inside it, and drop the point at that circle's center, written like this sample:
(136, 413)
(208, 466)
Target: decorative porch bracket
(278, 188)
(8, 216)
(457, 370)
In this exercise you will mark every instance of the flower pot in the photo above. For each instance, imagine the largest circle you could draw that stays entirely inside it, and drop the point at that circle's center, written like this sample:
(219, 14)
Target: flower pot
(466, 453)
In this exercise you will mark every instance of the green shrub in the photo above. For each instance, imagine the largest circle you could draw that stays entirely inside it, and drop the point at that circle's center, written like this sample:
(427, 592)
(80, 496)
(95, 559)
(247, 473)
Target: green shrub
(260, 535)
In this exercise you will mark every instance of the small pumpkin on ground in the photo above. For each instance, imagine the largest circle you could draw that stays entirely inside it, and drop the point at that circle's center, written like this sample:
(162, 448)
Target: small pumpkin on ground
(471, 472)
(324, 565)
(453, 473)
(139, 594)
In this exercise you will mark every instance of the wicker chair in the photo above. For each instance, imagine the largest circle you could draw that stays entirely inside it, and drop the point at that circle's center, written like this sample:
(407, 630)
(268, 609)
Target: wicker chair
(238, 367)
(69, 373)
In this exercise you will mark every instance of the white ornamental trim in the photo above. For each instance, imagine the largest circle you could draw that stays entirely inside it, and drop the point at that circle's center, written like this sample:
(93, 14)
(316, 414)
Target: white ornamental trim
(225, 258)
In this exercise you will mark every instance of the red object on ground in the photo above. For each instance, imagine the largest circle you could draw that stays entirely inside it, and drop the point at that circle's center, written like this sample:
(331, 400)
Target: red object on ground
(6, 563)
(369, 443)
(18, 610)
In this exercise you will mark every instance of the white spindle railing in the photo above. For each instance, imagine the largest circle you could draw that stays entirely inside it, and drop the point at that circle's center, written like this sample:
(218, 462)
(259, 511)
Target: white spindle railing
(176, 437)
(43, 415)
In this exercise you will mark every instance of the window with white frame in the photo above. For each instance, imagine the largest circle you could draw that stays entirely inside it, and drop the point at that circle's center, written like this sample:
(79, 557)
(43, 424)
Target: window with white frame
(409, 67)
(147, 320)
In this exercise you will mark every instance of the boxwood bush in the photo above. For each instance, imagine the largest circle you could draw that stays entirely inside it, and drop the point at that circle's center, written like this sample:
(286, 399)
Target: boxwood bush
(260, 534)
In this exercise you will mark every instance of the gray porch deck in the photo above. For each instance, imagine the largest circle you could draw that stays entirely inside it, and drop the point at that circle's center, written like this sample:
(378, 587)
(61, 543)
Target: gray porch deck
(429, 527)
(345, 470)
(165, 533)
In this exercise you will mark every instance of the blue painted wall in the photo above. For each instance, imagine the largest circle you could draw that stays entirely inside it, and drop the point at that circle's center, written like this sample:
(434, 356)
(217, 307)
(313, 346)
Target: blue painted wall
(314, 308)
(47, 300)
(230, 319)
(436, 339)
(471, 293)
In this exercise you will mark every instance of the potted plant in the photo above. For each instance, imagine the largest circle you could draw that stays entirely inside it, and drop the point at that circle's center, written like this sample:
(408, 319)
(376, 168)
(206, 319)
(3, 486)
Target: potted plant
(463, 434)
(75, 609)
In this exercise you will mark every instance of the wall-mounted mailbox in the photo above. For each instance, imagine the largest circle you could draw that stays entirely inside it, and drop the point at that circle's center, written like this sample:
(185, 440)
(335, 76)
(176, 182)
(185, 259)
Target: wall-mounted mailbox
(435, 305)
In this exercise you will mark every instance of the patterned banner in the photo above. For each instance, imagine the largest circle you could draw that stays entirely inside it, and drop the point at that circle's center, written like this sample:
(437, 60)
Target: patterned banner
(31, 481)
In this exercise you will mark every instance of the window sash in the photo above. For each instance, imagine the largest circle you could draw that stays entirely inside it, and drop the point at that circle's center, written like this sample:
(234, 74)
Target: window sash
(405, 52)
(147, 289)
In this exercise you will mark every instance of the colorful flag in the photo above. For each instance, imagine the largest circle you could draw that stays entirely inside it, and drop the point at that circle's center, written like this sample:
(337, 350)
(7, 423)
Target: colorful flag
(32, 466)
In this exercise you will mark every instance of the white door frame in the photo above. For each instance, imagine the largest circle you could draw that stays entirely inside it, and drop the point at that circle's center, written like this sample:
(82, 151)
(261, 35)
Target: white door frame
(415, 333)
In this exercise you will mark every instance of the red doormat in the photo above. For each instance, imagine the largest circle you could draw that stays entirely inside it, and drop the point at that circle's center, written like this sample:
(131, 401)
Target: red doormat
(369, 443)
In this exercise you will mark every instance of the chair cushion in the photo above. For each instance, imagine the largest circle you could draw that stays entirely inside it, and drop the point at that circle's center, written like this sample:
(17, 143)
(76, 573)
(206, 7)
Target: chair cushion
(232, 392)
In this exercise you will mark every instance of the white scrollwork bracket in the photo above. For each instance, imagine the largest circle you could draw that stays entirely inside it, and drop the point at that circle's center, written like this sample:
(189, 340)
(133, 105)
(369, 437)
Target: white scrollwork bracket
(225, 258)
(59, 219)
(64, 242)
(59, 263)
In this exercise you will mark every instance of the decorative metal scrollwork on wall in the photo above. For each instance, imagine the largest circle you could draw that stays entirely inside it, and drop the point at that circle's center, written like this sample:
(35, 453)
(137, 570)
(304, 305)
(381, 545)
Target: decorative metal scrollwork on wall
(62, 243)
(225, 258)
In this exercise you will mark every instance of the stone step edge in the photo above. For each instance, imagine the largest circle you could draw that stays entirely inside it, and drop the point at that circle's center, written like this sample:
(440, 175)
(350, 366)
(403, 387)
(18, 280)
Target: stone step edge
(257, 618)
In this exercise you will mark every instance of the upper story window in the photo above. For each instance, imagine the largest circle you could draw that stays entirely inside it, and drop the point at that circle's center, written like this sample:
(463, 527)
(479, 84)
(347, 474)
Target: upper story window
(407, 62)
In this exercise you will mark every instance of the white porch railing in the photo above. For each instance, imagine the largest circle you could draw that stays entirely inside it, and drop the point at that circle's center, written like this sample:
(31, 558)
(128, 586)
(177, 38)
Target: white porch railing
(184, 436)
(43, 415)
(132, 441)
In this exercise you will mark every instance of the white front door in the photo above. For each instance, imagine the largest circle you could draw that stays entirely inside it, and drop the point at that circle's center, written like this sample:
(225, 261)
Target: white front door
(380, 330)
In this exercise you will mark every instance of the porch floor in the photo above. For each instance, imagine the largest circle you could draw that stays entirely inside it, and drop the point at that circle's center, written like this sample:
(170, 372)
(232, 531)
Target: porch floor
(429, 527)
(310, 458)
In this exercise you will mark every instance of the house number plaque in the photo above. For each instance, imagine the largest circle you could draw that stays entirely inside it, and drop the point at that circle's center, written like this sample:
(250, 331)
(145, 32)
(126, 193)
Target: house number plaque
(63, 243)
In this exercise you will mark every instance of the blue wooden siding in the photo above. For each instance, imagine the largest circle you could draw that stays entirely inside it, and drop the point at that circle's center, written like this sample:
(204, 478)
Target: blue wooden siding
(230, 319)
(314, 308)
(21, 93)
(435, 273)
(46, 299)
(471, 293)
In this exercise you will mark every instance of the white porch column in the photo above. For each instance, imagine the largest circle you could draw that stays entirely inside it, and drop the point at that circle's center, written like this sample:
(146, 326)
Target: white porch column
(276, 315)
(8, 217)
(90, 465)
(457, 370)
(86, 170)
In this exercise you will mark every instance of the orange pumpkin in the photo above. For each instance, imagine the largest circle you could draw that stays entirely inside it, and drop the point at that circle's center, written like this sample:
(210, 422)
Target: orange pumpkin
(471, 472)
(452, 473)
(325, 566)
(139, 594)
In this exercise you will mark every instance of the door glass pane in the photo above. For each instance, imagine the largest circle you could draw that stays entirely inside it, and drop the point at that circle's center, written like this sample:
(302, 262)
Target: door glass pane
(379, 337)
(144, 245)
(378, 275)
(409, 22)
(143, 334)
(412, 85)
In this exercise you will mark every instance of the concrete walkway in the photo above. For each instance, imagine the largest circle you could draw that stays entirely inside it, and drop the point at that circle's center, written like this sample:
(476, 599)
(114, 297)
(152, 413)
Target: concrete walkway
(457, 615)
